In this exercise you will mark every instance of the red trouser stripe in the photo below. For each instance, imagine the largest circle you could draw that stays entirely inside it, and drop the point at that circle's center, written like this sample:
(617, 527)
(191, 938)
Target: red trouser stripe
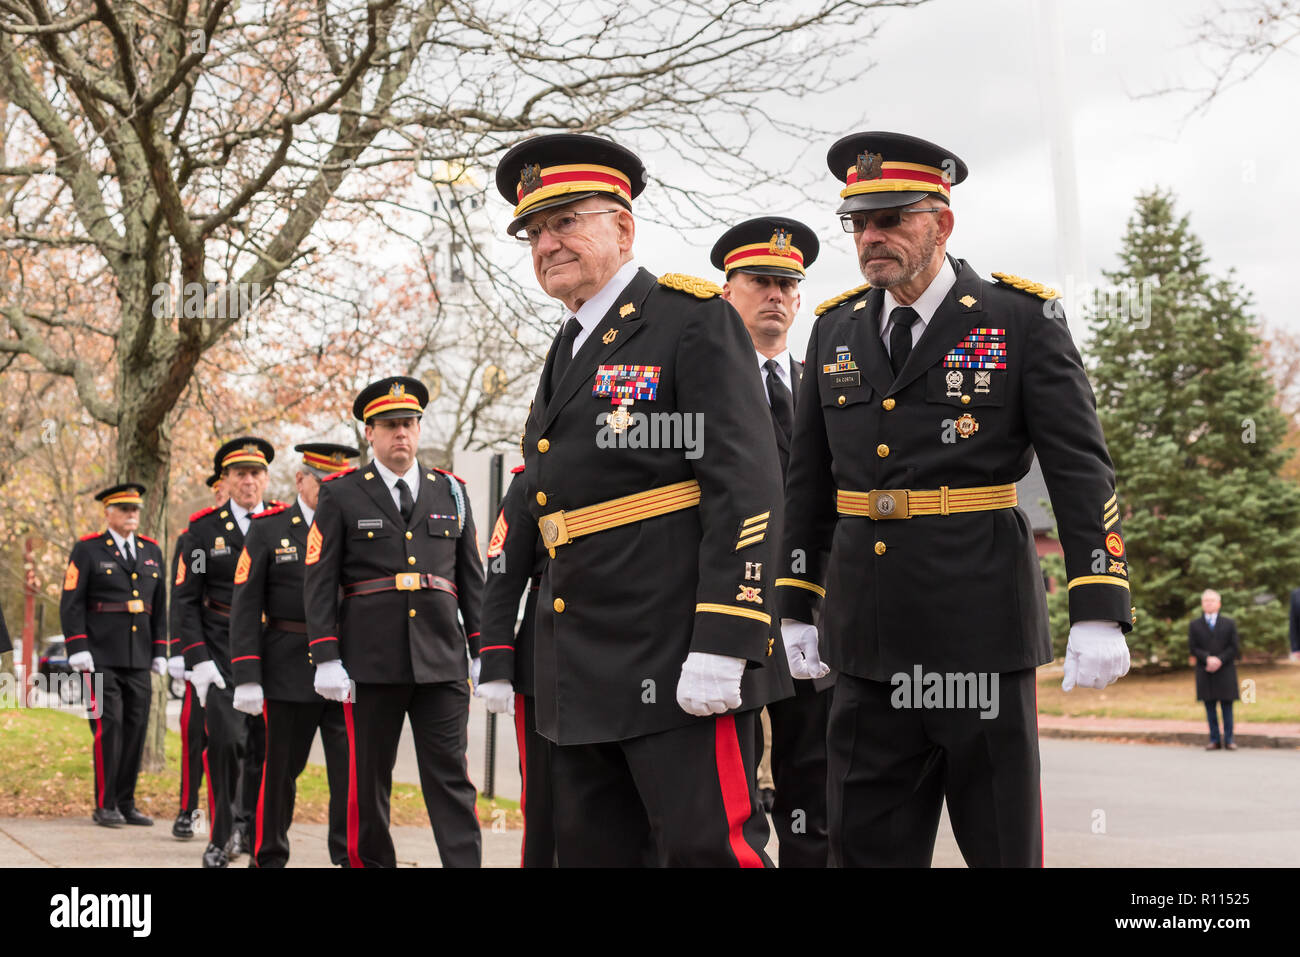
(354, 815)
(98, 724)
(521, 746)
(261, 792)
(185, 747)
(207, 774)
(735, 789)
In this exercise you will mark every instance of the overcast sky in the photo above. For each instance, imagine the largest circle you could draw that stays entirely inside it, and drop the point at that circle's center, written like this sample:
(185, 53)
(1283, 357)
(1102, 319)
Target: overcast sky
(969, 75)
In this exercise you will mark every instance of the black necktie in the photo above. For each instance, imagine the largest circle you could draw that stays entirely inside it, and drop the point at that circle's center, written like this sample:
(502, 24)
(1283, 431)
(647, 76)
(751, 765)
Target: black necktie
(900, 336)
(779, 396)
(564, 351)
(405, 504)
(130, 553)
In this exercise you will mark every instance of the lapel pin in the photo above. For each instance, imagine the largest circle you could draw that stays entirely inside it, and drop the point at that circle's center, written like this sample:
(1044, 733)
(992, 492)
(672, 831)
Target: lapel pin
(626, 310)
(968, 300)
(610, 336)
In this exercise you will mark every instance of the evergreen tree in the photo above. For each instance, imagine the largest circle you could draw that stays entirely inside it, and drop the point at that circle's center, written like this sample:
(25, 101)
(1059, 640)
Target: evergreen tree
(1189, 417)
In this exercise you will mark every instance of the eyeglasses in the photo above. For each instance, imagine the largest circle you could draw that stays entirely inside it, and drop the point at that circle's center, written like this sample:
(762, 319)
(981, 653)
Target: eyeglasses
(561, 224)
(881, 219)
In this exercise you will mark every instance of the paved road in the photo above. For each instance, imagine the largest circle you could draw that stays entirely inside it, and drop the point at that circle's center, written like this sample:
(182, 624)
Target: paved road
(1161, 806)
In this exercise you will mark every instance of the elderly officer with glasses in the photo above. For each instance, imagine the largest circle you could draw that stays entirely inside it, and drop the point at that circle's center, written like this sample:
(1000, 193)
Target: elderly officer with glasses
(656, 490)
(928, 391)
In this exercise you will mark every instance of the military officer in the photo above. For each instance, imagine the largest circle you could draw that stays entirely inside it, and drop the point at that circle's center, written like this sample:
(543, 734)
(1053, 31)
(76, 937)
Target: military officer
(929, 392)
(661, 536)
(193, 738)
(114, 617)
(397, 542)
(516, 560)
(214, 542)
(764, 261)
(272, 666)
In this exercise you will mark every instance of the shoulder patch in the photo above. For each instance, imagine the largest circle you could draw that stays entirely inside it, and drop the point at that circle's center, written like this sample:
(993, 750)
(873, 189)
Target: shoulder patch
(86, 538)
(453, 475)
(201, 512)
(146, 538)
(516, 470)
(347, 471)
(834, 301)
(1026, 285)
(275, 509)
(694, 285)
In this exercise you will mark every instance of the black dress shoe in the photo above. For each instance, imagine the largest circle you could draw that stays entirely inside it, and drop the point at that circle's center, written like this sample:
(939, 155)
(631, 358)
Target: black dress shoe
(183, 828)
(766, 799)
(132, 816)
(237, 844)
(1230, 746)
(215, 856)
(1213, 746)
(108, 817)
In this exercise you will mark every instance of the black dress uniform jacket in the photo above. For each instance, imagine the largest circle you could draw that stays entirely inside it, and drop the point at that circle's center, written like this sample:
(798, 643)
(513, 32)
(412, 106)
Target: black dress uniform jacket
(518, 566)
(99, 572)
(621, 609)
(268, 592)
(1222, 642)
(961, 592)
(205, 587)
(393, 637)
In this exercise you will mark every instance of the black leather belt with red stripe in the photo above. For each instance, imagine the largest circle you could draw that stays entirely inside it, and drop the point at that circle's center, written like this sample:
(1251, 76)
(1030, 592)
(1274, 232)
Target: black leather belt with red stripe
(402, 581)
(287, 624)
(218, 607)
(135, 606)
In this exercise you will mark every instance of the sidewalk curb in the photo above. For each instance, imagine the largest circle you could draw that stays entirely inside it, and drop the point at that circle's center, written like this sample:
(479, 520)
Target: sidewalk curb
(1144, 736)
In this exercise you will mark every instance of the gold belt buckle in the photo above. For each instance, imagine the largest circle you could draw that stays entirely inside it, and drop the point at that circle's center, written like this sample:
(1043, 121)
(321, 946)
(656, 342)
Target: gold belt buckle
(555, 532)
(408, 581)
(888, 503)
(135, 606)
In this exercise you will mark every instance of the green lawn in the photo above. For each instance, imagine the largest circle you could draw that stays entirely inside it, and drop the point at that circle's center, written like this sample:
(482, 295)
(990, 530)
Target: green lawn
(1172, 694)
(45, 771)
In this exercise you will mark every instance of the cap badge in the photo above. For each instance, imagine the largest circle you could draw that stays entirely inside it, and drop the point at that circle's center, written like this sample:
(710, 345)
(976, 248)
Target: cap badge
(779, 244)
(870, 166)
(397, 389)
(530, 178)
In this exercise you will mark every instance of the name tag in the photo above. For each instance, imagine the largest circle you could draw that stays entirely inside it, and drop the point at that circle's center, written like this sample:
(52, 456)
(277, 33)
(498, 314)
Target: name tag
(846, 380)
(218, 552)
(282, 557)
(365, 523)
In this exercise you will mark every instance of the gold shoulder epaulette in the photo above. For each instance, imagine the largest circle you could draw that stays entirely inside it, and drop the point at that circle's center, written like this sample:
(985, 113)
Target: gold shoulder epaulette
(1026, 285)
(834, 301)
(697, 287)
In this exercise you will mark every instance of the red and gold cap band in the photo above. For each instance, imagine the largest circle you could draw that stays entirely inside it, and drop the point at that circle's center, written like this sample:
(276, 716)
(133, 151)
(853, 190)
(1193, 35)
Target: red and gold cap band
(764, 254)
(538, 184)
(895, 178)
(127, 497)
(325, 463)
(244, 455)
(395, 399)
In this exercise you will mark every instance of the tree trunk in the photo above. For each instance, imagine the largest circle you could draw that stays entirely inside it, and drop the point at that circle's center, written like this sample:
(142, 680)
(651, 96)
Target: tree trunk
(155, 737)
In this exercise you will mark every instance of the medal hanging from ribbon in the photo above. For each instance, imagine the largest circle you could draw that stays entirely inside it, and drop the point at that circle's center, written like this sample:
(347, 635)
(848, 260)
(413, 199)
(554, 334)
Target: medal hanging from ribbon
(622, 385)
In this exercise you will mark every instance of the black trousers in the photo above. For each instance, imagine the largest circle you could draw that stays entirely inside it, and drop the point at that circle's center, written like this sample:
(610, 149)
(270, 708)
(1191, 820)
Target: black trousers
(799, 775)
(890, 769)
(232, 799)
(250, 777)
(439, 716)
(535, 800)
(121, 697)
(194, 738)
(290, 729)
(679, 798)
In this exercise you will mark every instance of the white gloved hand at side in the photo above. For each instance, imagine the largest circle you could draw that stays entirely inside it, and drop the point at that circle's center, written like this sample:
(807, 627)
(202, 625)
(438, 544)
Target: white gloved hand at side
(498, 696)
(205, 675)
(800, 640)
(332, 681)
(159, 666)
(475, 666)
(1096, 655)
(249, 698)
(710, 684)
(176, 666)
(81, 661)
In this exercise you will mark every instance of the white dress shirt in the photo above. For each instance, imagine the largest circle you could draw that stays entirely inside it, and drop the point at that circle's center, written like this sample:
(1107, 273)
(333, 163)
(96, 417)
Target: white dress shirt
(242, 515)
(782, 371)
(926, 304)
(121, 544)
(390, 478)
(593, 310)
(309, 514)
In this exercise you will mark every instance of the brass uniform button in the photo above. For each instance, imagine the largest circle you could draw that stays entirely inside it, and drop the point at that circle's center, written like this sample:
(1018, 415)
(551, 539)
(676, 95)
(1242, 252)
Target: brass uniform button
(134, 593)
(880, 548)
(558, 605)
(134, 576)
(840, 400)
(965, 400)
(412, 612)
(409, 536)
(370, 534)
(133, 628)
(543, 445)
(882, 450)
(410, 559)
(541, 498)
(887, 405)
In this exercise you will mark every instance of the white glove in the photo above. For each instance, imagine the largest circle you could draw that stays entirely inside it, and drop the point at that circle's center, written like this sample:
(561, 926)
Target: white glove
(159, 666)
(81, 661)
(332, 681)
(800, 640)
(205, 676)
(710, 684)
(176, 666)
(248, 698)
(475, 666)
(499, 696)
(1096, 655)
